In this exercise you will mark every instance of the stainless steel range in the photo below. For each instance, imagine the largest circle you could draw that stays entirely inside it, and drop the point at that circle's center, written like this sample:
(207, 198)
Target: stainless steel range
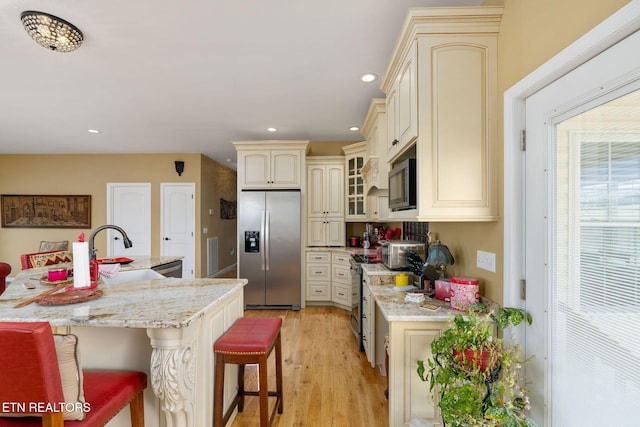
(356, 312)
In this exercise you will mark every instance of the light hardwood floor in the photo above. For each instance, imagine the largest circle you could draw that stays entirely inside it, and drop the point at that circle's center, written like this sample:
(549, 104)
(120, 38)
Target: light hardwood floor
(327, 380)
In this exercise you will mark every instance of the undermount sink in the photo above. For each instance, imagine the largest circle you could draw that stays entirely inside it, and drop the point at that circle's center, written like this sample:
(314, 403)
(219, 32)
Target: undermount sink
(131, 276)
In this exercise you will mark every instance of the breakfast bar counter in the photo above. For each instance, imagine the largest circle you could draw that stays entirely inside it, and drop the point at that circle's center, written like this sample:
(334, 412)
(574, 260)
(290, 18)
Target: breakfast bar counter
(165, 327)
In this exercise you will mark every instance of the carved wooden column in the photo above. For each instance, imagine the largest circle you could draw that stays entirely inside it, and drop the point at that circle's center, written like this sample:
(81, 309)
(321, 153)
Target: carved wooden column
(174, 373)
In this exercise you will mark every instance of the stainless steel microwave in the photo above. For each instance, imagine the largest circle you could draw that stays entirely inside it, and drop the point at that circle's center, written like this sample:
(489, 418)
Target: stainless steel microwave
(402, 185)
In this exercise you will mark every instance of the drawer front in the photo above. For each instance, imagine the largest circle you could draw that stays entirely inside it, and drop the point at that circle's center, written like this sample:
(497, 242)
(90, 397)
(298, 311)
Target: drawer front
(341, 295)
(341, 275)
(344, 259)
(318, 257)
(318, 272)
(318, 291)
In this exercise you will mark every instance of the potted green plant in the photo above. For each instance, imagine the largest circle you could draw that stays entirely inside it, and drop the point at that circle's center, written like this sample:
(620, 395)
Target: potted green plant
(475, 373)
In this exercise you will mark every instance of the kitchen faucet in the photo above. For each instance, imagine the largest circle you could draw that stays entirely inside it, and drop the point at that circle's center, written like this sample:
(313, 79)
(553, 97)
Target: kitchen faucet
(127, 242)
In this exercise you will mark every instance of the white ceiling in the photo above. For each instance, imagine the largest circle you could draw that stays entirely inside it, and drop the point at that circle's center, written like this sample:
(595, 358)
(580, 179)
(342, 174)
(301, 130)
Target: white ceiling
(162, 76)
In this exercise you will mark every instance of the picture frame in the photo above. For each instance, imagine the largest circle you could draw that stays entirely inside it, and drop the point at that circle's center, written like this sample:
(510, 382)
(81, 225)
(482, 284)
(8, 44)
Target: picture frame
(45, 211)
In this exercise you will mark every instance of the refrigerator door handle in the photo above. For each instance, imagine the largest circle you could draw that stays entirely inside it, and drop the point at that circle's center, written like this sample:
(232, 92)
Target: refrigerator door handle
(266, 240)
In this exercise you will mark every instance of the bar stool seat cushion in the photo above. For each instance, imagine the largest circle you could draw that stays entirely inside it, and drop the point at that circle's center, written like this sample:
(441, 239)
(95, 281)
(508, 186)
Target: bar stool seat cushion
(249, 335)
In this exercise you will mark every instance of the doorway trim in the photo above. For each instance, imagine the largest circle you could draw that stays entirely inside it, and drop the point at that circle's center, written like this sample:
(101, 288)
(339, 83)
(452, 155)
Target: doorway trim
(621, 24)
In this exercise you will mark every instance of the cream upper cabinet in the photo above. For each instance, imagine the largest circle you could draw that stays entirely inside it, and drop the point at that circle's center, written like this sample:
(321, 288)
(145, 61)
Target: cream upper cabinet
(354, 184)
(270, 164)
(325, 181)
(455, 55)
(325, 201)
(375, 171)
(402, 106)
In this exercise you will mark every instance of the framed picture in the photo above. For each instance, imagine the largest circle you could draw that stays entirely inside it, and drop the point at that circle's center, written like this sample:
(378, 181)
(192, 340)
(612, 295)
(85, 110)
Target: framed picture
(45, 211)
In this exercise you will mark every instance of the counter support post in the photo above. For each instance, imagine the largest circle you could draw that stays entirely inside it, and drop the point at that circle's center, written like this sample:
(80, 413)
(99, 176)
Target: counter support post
(173, 374)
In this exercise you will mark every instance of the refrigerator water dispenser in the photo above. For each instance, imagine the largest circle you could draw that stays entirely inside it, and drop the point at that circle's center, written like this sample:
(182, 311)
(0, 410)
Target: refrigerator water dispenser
(252, 241)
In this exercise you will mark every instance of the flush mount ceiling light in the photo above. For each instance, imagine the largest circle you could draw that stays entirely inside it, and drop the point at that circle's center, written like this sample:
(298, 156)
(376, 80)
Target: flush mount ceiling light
(368, 78)
(51, 32)
(272, 129)
(354, 128)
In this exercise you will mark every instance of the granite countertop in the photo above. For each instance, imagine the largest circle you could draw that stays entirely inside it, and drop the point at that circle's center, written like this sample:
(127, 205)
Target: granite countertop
(391, 299)
(158, 303)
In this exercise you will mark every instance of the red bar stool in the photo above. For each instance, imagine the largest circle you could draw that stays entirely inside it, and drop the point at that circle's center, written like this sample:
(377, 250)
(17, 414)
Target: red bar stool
(31, 377)
(249, 340)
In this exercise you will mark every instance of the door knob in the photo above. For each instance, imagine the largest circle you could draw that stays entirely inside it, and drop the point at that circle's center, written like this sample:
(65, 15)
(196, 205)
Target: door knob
(166, 238)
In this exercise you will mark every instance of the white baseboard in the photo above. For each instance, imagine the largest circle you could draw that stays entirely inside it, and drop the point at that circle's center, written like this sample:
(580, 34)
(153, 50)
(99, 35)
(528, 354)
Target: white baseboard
(223, 271)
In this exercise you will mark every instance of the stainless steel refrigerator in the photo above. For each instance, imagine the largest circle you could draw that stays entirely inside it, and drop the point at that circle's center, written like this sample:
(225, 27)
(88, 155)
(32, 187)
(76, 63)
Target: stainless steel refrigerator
(269, 227)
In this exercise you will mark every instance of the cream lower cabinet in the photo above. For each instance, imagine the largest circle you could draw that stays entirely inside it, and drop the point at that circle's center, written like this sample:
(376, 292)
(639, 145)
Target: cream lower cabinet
(318, 276)
(408, 342)
(409, 396)
(342, 281)
(368, 321)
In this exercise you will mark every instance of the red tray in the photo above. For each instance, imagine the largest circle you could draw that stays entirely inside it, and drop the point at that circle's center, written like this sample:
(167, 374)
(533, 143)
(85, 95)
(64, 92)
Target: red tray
(121, 260)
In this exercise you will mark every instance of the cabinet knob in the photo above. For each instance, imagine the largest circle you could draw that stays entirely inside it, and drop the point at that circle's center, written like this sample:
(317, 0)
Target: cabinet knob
(395, 142)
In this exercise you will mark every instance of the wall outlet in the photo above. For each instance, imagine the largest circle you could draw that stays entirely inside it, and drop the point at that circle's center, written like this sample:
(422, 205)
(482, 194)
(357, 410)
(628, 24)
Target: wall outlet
(205, 230)
(232, 251)
(486, 261)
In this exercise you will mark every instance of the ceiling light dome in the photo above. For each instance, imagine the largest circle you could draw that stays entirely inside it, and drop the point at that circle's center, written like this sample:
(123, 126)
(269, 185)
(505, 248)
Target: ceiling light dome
(51, 32)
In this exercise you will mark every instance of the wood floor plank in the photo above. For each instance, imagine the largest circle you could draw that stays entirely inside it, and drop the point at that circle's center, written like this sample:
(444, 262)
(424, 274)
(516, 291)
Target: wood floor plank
(327, 380)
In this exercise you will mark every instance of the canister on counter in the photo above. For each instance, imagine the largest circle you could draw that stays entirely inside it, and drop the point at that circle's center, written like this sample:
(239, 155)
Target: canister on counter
(402, 279)
(443, 289)
(57, 274)
(464, 291)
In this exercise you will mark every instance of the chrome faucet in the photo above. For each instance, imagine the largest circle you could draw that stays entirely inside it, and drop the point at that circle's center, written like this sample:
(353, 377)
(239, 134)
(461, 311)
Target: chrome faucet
(127, 242)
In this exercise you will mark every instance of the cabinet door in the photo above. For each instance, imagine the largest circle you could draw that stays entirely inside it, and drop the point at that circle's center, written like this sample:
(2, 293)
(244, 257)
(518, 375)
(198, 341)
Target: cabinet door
(334, 201)
(368, 323)
(254, 169)
(408, 99)
(355, 187)
(285, 169)
(392, 123)
(335, 232)
(377, 208)
(316, 232)
(316, 190)
(459, 117)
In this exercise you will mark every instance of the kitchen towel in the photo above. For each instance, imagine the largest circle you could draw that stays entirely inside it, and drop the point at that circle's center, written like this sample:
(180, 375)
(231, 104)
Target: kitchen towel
(81, 277)
(109, 270)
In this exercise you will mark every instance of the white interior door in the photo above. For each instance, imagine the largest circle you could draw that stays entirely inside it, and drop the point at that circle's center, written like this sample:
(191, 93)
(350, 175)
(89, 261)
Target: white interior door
(129, 207)
(582, 243)
(178, 224)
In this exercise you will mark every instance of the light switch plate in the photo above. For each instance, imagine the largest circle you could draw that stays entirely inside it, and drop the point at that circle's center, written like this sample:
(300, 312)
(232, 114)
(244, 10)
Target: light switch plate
(486, 261)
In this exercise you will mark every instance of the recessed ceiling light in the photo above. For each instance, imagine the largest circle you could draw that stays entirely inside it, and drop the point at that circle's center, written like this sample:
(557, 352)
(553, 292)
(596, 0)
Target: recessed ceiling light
(354, 128)
(94, 131)
(272, 129)
(368, 78)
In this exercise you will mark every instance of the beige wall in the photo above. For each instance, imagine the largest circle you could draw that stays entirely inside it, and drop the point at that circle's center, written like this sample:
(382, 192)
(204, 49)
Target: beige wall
(217, 182)
(531, 33)
(89, 175)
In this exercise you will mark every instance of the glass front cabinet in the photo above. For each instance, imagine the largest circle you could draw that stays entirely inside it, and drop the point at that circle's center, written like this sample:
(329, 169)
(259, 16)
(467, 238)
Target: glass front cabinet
(354, 184)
